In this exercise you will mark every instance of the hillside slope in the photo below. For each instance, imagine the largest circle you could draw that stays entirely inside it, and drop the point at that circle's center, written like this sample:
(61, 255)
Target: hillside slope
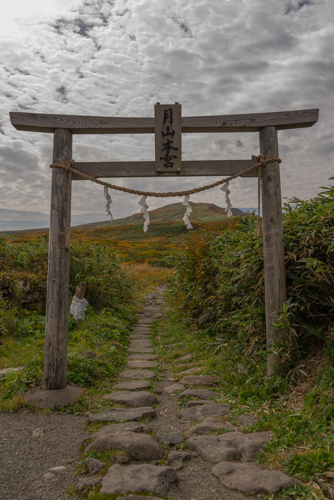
(202, 212)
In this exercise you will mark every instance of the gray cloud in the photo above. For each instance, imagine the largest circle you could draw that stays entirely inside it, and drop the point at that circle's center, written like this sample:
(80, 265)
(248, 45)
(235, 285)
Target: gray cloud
(118, 58)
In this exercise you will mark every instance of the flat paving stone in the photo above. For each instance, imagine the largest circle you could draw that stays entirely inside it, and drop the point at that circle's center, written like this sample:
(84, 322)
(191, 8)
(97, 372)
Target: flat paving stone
(116, 414)
(170, 389)
(191, 371)
(54, 399)
(138, 478)
(231, 446)
(135, 399)
(250, 479)
(138, 446)
(88, 482)
(142, 356)
(94, 466)
(175, 458)
(137, 374)
(171, 438)
(142, 364)
(138, 336)
(198, 393)
(198, 380)
(200, 402)
(140, 343)
(133, 385)
(210, 424)
(198, 413)
(140, 349)
(123, 427)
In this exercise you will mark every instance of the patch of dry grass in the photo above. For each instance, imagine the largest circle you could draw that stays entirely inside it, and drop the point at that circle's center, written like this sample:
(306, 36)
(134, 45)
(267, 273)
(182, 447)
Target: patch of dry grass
(148, 277)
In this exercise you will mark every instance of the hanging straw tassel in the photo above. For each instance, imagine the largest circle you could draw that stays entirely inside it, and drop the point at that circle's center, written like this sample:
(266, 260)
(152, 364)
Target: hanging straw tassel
(258, 231)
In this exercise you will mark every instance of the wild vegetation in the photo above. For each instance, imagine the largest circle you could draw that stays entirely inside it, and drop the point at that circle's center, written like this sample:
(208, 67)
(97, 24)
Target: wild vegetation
(217, 315)
(219, 281)
(218, 287)
(96, 347)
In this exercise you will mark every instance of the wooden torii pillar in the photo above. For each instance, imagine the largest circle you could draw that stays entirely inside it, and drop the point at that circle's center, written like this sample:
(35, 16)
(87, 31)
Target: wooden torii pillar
(64, 126)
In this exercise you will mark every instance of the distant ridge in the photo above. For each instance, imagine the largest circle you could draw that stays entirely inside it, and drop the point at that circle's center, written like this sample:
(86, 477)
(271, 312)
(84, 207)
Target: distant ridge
(202, 212)
(174, 213)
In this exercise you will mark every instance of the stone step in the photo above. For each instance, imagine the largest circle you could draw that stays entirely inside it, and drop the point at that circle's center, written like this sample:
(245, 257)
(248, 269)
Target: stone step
(140, 349)
(205, 380)
(142, 364)
(138, 446)
(143, 343)
(232, 446)
(137, 374)
(250, 479)
(126, 414)
(142, 356)
(123, 427)
(191, 371)
(133, 385)
(198, 393)
(211, 424)
(135, 399)
(198, 413)
(138, 478)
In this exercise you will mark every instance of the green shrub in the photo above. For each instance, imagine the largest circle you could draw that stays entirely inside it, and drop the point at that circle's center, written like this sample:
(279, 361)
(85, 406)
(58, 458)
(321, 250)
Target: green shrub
(219, 280)
(23, 274)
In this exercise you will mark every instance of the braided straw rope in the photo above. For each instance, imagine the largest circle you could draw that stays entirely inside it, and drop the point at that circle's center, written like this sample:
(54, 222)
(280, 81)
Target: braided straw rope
(69, 167)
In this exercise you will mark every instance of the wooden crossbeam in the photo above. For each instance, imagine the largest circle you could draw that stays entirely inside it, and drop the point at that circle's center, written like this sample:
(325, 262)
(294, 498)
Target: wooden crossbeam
(147, 168)
(37, 122)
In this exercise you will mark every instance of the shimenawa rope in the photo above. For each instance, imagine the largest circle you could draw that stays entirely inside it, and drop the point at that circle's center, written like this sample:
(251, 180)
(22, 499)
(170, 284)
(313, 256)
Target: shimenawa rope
(69, 167)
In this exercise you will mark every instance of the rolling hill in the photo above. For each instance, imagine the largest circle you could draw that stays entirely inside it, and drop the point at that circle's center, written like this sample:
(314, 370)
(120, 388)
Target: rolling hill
(166, 233)
(202, 212)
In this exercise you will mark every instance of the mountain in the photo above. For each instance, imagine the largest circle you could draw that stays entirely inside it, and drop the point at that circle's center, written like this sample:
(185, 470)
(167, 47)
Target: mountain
(202, 212)
(17, 221)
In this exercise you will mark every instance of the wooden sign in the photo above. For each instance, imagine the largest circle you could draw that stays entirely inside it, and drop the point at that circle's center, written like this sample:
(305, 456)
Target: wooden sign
(168, 133)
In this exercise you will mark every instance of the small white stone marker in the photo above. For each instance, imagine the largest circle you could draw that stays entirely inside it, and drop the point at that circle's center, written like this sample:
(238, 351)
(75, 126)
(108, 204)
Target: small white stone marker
(49, 475)
(38, 433)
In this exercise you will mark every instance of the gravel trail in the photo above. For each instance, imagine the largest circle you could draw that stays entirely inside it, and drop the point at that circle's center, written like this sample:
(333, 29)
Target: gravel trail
(25, 459)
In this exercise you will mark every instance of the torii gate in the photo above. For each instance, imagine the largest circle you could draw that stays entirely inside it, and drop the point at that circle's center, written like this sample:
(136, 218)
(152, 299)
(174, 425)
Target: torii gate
(168, 164)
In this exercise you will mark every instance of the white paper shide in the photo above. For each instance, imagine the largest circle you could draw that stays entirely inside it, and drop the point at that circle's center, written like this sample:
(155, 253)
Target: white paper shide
(144, 207)
(225, 189)
(78, 307)
(188, 212)
(109, 202)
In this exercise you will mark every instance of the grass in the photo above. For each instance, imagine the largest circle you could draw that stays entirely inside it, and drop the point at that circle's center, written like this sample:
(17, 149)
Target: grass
(105, 333)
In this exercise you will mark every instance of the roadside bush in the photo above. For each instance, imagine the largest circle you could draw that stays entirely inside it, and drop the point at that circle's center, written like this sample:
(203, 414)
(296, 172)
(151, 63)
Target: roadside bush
(23, 273)
(219, 280)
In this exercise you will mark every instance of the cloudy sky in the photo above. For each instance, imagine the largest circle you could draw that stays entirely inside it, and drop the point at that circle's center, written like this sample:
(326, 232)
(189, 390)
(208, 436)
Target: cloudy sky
(120, 57)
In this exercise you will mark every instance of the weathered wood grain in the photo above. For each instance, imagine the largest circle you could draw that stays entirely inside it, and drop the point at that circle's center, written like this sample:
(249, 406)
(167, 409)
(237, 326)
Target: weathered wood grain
(273, 248)
(56, 324)
(80, 290)
(168, 137)
(147, 168)
(37, 122)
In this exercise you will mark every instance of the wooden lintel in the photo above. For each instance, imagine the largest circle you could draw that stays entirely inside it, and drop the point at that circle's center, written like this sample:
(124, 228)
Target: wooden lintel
(147, 168)
(37, 122)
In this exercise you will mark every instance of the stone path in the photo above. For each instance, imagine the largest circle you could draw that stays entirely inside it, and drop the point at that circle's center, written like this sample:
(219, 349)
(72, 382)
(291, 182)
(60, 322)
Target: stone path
(162, 449)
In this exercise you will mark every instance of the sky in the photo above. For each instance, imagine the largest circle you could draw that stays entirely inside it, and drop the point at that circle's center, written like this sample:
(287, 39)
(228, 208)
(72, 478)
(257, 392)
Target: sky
(120, 57)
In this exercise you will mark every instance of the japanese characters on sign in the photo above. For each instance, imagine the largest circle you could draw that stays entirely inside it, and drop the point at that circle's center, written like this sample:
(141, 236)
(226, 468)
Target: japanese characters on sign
(168, 133)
